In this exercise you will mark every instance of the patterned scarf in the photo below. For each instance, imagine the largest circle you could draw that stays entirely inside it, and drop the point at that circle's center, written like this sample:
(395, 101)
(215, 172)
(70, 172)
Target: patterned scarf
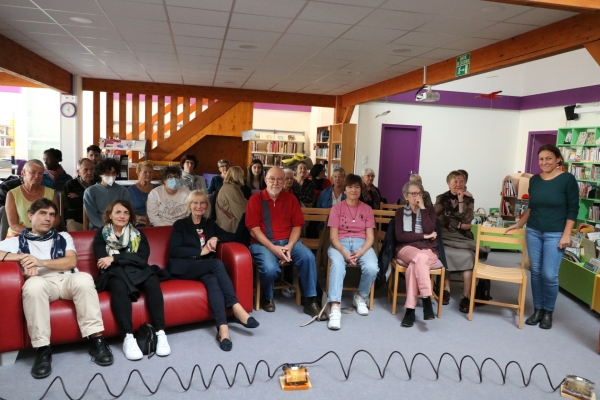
(59, 244)
(370, 196)
(55, 173)
(129, 240)
(407, 220)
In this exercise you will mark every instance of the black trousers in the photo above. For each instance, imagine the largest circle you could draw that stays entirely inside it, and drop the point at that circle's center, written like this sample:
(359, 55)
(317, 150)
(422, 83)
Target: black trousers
(120, 303)
(213, 275)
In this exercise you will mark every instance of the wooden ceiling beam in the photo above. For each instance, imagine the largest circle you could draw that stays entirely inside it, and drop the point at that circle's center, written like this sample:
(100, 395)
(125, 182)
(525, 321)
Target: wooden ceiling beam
(578, 6)
(7, 79)
(225, 94)
(594, 49)
(25, 64)
(563, 36)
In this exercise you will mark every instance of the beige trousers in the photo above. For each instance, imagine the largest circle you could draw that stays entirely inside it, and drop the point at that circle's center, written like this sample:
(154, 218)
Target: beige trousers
(73, 226)
(40, 291)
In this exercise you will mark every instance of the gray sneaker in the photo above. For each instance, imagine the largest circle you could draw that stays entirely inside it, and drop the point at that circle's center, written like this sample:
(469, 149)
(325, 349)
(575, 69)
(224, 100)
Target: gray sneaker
(360, 304)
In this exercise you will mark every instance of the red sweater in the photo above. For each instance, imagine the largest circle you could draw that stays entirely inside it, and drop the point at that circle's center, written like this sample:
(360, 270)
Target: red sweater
(285, 214)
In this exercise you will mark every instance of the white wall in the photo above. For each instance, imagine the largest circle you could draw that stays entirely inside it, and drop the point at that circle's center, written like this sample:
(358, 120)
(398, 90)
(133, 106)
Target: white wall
(481, 141)
(546, 119)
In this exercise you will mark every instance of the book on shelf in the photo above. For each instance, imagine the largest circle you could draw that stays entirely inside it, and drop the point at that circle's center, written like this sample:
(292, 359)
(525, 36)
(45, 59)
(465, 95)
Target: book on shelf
(582, 137)
(594, 213)
(509, 188)
(322, 151)
(520, 208)
(569, 137)
(323, 135)
(590, 138)
(586, 190)
(591, 267)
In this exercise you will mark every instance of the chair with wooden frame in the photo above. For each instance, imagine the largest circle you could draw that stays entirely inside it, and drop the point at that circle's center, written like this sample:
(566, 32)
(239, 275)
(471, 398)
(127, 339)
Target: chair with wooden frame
(319, 215)
(382, 218)
(283, 284)
(505, 274)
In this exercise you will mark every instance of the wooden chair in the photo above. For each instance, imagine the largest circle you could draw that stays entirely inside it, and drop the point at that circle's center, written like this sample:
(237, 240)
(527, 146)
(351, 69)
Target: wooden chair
(399, 267)
(382, 219)
(505, 274)
(319, 215)
(283, 284)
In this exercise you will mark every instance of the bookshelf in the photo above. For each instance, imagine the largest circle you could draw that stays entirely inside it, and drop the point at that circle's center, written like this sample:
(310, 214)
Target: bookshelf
(336, 147)
(580, 148)
(512, 203)
(271, 145)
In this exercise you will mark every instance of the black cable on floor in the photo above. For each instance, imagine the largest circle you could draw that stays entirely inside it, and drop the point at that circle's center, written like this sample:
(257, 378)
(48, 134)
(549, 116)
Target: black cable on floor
(345, 372)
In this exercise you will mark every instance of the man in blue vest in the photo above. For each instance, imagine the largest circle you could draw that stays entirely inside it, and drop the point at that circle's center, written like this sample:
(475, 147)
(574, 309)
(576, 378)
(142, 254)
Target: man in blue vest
(274, 219)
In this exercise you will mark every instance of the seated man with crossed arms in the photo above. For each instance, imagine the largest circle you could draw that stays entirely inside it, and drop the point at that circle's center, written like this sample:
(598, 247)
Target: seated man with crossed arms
(48, 261)
(274, 219)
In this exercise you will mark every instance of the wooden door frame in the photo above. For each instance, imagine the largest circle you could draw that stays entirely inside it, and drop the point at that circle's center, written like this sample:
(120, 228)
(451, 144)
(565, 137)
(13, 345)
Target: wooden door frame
(530, 138)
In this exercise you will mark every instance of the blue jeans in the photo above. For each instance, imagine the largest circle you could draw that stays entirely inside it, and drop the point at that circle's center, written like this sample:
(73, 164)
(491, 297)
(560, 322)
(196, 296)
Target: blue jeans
(268, 267)
(337, 271)
(545, 258)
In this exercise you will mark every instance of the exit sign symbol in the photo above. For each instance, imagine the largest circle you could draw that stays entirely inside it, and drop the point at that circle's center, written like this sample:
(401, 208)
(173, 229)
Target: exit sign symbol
(463, 64)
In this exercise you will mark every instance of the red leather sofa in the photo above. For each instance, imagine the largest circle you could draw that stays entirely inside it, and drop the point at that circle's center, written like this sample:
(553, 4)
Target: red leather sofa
(185, 301)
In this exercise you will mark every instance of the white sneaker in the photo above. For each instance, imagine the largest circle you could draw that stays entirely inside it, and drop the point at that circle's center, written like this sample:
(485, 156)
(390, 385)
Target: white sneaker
(335, 318)
(360, 304)
(131, 349)
(162, 346)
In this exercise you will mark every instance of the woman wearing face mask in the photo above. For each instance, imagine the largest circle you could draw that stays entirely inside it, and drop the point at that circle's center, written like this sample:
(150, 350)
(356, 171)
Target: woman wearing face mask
(167, 203)
(97, 197)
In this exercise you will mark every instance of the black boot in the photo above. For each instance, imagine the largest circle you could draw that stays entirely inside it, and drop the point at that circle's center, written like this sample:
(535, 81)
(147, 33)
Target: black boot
(409, 318)
(42, 367)
(100, 351)
(427, 309)
(546, 322)
(537, 316)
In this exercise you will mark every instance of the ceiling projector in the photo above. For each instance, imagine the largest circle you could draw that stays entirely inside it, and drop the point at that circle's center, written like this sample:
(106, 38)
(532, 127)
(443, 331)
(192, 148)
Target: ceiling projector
(428, 95)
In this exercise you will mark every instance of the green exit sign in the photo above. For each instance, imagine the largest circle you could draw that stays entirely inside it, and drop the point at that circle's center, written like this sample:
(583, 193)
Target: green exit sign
(463, 64)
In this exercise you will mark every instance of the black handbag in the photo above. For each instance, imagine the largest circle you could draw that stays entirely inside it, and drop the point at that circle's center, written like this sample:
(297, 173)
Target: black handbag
(146, 339)
(482, 290)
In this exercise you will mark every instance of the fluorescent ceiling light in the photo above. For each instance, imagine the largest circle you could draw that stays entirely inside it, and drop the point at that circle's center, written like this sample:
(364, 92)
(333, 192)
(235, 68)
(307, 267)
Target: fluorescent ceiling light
(81, 20)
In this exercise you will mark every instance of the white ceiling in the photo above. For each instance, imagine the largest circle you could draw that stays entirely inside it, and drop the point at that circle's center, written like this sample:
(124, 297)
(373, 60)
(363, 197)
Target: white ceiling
(326, 46)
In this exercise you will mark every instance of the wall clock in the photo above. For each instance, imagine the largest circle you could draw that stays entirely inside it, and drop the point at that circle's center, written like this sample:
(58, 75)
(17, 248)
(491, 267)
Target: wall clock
(68, 109)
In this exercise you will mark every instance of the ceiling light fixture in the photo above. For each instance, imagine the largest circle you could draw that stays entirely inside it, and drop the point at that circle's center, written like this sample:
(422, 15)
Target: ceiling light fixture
(110, 52)
(492, 9)
(81, 20)
(401, 50)
(247, 47)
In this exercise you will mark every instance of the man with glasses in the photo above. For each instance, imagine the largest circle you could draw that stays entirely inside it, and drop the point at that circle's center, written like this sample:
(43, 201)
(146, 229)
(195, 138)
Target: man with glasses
(97, 197)
(217, 181)
(274, 219)
(74, 190)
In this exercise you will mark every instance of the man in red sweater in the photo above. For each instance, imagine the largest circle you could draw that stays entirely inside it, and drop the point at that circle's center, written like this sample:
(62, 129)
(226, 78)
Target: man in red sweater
(274, 219)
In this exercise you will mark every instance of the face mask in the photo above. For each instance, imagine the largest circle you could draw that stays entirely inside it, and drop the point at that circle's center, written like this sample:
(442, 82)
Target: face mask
(109, 180)
(173, 183)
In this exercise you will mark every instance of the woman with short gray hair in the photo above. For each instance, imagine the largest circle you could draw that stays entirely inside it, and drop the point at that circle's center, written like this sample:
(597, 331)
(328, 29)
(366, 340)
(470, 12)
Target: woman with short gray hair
(370, 193)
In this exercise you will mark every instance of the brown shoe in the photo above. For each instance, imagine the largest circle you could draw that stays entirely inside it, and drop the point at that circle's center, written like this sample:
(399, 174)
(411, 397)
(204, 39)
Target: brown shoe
(268, 305)
(312, 309)
(446, 300)
(464, 305)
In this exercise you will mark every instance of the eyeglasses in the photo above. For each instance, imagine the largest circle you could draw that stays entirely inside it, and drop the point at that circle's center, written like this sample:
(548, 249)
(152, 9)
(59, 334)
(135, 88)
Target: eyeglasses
(272, 179)
(370, 176)
(172, 176)
(414, 194)
(223, 166)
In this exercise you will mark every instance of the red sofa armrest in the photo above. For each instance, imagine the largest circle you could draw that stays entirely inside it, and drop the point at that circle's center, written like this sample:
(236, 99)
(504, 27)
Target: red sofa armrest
(12, 335)
(238, 263)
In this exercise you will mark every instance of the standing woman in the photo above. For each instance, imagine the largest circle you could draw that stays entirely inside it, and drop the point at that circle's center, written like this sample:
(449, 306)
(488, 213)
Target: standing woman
(352, 232)
(122, 253)
(304, 188)
(139, 192)
(231, 203)
(192, 256)
(320, 182)
(255, 182)
(553, 207)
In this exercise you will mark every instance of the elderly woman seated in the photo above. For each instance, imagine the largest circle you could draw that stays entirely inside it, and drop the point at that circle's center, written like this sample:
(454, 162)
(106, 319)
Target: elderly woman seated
(167, 203)
(370, 193)
(426, 196)
(454, 211)
(333, 194)
(416, 247)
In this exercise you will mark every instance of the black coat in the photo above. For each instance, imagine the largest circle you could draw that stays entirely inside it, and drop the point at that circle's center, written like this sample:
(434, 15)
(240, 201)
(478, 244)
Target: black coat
(185, 248)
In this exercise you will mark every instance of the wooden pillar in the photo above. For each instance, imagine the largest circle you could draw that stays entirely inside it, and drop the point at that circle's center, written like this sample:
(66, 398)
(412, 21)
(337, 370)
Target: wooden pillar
(123, 115)
(173, 122)
(148, 125)
(186, 110)
(160, 130)
(135, 124)
(110, 120)
(96, 120)
(338, 111)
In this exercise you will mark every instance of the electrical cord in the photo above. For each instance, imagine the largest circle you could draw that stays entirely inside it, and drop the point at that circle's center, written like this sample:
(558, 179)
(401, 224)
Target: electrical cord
(345, 371)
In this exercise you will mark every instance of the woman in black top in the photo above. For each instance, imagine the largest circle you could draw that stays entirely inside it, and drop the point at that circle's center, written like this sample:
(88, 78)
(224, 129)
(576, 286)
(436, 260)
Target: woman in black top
(255, 181)
(122, 253)
(192, 252)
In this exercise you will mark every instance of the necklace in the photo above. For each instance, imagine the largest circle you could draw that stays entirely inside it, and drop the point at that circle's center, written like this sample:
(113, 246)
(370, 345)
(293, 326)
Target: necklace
(350, 212)
(30, 193)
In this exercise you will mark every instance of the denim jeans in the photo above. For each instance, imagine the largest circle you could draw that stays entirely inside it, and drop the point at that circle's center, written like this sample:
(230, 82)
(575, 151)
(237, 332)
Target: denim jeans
(337, 272)
(268, 267)
(545, 258)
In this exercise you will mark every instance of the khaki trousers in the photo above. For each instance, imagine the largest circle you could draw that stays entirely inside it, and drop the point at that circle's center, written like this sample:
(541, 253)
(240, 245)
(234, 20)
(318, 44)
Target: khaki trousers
(73, 226)
(40, 291)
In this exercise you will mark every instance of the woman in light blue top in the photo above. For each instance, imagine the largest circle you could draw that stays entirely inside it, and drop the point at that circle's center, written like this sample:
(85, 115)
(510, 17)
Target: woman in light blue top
(139, 192)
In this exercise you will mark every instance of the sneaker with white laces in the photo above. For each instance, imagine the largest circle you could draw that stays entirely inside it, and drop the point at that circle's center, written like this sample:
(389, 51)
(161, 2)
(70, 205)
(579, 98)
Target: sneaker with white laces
(335, 318)
(131, 349)
(360, 304)
(162, 345)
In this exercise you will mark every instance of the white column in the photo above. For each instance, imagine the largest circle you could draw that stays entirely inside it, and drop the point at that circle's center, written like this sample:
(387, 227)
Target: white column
(71, 130)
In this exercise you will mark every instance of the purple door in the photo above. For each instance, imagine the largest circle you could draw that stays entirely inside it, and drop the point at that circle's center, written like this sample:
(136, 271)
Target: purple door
(536, 140)
(398, 158)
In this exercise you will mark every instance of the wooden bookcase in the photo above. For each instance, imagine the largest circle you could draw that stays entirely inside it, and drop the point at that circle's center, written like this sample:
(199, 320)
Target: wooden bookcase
(336, 147)
(271, 146)
(512, 203)
(580, 148)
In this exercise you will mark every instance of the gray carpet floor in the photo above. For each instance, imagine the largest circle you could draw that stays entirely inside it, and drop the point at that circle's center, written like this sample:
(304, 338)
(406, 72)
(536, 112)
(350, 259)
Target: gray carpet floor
(570, 347)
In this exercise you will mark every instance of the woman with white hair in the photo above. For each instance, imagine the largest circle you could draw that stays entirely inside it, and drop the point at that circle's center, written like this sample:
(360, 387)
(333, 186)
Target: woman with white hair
(370, 194)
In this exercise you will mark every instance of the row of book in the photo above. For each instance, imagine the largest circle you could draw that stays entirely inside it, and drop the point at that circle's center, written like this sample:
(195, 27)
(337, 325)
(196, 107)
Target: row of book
(509, 188)
(587, 154)
(323, 135)
(506, 208)
(275, 147)
(594, 213)
(585, 137)
(586, 190)
(268, 160)
(337, 151)
(6, 142)
(581, 172)
(323, 151)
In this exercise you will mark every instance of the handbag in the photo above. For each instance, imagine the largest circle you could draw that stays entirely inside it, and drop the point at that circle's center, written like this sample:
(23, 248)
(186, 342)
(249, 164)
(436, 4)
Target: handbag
(482, 290)
(146, 339)
(479, 217)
